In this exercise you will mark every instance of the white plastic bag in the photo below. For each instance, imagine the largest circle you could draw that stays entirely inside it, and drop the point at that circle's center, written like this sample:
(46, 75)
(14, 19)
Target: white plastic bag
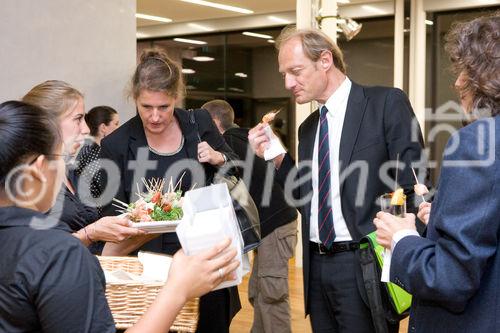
(208, 219)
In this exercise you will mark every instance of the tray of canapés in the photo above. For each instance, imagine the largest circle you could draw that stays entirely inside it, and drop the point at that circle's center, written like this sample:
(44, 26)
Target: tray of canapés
(156, 211)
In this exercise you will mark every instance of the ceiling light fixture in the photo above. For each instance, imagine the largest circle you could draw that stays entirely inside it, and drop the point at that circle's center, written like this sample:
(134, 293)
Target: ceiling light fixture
(140, 35)
(203, 58)
(200, 27)
(253, 34)
(153, 18)
(272, 41)
(429, 22)
(190, 41)
(242, 75)
(220, 6)
(278, 19)
(188, 71)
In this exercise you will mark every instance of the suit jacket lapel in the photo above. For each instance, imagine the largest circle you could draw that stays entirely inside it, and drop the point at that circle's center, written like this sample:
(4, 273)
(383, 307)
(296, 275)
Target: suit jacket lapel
(306, 148)
(307, 141)
(356, 106)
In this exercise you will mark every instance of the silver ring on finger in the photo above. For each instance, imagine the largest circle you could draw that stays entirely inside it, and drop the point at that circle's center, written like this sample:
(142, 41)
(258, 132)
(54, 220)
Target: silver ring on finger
(221, 273)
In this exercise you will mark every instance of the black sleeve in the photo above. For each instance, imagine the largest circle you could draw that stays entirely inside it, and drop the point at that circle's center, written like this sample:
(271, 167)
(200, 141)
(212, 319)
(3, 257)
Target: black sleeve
(70, 295)
(209, 133)
(113, 183)
(404, 137)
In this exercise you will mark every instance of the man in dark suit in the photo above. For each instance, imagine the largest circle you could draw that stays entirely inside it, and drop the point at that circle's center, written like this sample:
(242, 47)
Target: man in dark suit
(268, 284)
(346, 149)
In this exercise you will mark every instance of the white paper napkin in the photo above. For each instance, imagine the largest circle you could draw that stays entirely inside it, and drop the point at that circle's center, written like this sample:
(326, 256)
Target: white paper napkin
(120, 276)
(275, 148)
(385, 276)
(155, 266)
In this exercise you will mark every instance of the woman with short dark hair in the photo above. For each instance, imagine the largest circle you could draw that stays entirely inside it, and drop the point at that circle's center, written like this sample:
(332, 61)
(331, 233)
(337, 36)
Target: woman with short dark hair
(102, 121)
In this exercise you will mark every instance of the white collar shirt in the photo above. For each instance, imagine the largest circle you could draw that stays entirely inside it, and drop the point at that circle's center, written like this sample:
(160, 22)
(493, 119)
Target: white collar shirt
(336, 105)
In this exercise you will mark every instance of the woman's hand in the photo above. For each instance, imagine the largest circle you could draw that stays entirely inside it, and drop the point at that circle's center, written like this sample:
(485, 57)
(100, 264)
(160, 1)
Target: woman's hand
(206, 154)
(194, 276)
(112, 229)
(388, 224)
(424, 211)
(127, 246)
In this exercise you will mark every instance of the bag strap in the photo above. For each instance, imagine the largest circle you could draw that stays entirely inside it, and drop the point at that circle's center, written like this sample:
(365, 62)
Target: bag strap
(192, 121)
(371, 279)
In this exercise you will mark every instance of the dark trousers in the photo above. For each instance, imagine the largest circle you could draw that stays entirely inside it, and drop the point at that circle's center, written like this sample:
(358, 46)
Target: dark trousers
(214, 312)
(337, 297)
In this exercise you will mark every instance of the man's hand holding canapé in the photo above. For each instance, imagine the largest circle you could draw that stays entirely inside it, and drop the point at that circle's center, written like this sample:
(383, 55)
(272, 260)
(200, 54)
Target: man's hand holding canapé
(259, 141)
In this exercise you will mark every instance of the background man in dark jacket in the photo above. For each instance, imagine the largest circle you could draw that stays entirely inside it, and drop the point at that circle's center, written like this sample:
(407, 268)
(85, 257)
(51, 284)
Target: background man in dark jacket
(268, 286)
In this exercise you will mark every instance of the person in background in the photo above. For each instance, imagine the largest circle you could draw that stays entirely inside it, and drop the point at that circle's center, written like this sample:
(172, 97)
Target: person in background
(268, 290)
(343, 146)
(101, 121)
(66, 103)
(164, 135)
(453, 272)
(278, 130)
(49, 282)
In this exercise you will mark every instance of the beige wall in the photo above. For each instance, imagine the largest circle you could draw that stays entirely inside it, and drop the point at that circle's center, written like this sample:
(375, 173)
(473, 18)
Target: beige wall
(267, 81)
(88, 43)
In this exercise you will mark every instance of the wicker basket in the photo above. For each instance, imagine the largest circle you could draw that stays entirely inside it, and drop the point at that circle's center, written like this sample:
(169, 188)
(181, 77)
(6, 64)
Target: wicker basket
(129, 301)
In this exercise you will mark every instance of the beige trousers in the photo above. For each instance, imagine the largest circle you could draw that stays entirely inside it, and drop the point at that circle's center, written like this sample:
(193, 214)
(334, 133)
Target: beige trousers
(268, 285)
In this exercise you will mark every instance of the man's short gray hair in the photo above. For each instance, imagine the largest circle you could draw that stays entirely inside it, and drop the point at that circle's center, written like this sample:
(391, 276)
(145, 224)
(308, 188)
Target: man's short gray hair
(314, 42)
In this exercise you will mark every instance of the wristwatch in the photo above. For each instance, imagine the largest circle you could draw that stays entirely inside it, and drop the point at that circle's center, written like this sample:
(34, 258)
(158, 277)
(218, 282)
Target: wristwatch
(224, 157)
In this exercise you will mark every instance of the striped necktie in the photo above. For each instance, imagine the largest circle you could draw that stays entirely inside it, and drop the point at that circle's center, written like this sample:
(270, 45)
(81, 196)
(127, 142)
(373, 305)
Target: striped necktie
(325, 220)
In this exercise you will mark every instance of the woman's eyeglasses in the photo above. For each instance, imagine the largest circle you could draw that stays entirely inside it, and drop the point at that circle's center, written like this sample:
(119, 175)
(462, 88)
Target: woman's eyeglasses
(66, 157)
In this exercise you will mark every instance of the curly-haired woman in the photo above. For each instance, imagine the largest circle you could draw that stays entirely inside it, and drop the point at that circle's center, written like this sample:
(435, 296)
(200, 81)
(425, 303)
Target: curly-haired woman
(453, 272)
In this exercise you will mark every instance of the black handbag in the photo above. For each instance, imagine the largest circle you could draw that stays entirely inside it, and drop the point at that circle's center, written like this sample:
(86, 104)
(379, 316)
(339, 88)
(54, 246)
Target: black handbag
(381, 305)
(246, 211)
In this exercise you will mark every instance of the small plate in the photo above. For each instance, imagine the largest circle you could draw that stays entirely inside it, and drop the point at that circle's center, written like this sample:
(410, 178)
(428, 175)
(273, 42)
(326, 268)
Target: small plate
(157, 227)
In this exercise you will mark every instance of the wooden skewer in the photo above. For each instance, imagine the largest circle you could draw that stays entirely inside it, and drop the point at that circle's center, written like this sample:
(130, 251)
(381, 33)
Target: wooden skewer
(397, 169)
(416, 179)
(121, 210)
(179, 183)
(145, 184)
(415, 175)
(121, 202)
